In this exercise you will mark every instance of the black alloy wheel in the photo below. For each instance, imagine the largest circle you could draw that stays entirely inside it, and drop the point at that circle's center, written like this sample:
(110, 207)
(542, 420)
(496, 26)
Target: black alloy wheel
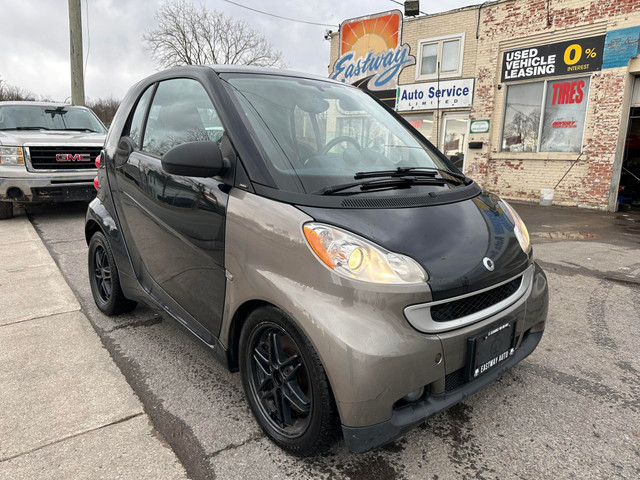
(279, 379)
(104, 278)
(102, 273)
(285, 384)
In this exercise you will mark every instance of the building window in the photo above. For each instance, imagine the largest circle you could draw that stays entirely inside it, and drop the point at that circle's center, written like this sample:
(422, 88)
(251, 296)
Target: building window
(546, 116)
(440, 56)
(423, 123)
(522, 117)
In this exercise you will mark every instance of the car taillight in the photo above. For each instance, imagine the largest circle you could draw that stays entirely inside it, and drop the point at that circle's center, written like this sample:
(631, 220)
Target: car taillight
(96, 183)
(98, 161)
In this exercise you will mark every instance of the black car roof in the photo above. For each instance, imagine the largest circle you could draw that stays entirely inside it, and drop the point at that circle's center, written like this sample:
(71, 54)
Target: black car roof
(262, 70)
(222, 69)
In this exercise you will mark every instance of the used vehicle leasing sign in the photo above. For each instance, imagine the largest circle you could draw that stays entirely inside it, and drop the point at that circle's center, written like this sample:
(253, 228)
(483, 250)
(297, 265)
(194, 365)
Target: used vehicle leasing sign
(433, 95)
(572, 56)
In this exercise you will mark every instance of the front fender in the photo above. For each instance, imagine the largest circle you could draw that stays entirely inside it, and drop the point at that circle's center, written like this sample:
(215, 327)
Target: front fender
(370, 353)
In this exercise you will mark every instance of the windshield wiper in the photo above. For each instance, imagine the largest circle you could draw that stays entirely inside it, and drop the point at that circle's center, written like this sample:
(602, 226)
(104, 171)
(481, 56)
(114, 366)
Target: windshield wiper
(440, 170)
(81, 130)
(396, 182)
(416, 171)
(393, 173)
(25, 128)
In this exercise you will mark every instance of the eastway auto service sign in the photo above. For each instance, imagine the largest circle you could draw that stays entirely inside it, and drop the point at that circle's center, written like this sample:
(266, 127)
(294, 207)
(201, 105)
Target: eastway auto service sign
(573, 56)
(434, 95)
(372, 54)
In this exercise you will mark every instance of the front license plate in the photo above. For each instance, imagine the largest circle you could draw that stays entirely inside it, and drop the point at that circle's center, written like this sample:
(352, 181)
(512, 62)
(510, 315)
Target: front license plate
(489, 349)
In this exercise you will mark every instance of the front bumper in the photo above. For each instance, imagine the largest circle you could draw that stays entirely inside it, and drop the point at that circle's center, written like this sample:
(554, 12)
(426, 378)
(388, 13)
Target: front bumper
(362, 439)
(529, 315)
(25, 187)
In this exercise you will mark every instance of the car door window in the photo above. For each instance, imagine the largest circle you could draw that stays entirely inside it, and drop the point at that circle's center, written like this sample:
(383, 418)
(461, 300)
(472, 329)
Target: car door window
(135, 127)
(181, 112)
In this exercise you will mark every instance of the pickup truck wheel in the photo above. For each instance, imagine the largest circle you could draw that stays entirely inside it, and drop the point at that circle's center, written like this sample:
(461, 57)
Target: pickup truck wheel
(6, 210)
(286, 385)
(104, 278)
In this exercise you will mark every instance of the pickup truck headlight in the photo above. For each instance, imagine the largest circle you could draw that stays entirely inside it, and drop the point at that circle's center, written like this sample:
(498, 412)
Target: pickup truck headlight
(519, 228)
(354, 257)
(11, 156)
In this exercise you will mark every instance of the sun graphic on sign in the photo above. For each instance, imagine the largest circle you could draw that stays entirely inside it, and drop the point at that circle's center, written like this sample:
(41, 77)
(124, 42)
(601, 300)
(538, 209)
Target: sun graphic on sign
(377, 34)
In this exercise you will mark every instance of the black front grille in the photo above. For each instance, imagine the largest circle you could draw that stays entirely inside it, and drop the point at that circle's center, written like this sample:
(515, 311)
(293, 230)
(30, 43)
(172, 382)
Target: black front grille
(475, 303)
(454, 380)
(63, 157)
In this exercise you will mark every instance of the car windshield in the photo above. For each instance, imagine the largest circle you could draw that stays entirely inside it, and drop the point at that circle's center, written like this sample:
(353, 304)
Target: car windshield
(33, 117)
(316, 134)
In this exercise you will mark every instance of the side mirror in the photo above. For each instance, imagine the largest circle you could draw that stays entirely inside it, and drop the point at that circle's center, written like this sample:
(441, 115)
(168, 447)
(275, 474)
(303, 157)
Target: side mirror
(194, 159)
(126, 146)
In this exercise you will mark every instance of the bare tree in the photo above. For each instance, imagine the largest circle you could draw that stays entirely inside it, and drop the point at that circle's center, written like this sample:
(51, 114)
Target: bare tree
(13, 93)
(104, 108)
(190, 35)
(524, 127)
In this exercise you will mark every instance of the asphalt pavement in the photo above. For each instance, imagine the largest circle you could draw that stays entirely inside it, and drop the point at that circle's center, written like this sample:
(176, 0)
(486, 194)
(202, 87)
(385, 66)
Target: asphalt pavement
(570, 410)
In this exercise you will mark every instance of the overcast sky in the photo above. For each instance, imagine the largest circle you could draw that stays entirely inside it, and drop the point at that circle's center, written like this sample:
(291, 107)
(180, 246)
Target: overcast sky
(35, 38)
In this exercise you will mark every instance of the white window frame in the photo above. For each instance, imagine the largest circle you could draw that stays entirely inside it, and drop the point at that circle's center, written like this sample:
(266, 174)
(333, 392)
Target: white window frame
(545, 81)
(440, 41)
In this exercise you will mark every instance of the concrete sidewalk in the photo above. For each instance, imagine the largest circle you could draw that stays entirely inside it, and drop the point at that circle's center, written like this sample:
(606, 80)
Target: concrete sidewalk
(557, 223)
(66, 411)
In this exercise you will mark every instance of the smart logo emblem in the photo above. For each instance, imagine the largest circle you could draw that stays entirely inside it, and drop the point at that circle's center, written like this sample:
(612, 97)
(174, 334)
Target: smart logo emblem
(488, 263)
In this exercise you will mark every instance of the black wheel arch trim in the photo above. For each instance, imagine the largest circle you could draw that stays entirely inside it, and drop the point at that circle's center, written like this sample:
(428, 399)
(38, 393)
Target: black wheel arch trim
(99, 219)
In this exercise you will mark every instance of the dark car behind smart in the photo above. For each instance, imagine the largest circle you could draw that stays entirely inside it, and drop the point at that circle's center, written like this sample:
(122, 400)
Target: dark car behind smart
(315, 242)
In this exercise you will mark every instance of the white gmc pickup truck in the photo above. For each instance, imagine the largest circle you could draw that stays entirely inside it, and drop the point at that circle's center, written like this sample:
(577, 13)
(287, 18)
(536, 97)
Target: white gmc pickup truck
(47, 153)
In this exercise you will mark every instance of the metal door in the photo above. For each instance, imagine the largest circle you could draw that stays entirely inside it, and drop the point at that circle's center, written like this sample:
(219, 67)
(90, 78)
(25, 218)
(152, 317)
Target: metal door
(176, 224)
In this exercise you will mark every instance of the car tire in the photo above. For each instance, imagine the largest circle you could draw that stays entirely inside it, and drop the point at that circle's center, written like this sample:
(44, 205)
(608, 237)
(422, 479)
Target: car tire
(286, 385)
(104, 278)
(6, 210)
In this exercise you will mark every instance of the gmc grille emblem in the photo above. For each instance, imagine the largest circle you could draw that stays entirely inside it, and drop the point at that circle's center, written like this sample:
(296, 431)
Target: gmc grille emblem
(70, 157)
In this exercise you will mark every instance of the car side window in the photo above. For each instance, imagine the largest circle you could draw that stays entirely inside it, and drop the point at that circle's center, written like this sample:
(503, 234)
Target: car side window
(181, 112)
(135, 128)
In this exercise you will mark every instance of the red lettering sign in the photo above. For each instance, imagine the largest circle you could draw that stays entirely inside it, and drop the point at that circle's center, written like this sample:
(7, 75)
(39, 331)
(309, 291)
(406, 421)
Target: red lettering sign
(570, 124)
(568, 92)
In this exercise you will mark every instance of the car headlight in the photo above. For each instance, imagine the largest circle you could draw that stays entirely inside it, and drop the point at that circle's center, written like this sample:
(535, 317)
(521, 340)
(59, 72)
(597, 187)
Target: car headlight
(11, 156)
(519, 227)
(354, 257)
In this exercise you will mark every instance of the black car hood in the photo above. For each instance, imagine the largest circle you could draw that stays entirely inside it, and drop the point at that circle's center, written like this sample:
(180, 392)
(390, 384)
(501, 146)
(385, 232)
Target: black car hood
(449, 241)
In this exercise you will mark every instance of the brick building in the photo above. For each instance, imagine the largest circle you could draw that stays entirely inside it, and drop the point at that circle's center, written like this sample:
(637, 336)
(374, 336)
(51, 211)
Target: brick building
(520, 94)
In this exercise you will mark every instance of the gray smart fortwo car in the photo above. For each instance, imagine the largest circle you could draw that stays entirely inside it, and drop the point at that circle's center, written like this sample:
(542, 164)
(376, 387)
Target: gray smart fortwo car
(315, 242)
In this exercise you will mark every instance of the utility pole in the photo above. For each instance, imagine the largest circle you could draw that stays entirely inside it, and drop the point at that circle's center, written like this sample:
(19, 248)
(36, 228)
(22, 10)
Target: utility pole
(75, 37)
